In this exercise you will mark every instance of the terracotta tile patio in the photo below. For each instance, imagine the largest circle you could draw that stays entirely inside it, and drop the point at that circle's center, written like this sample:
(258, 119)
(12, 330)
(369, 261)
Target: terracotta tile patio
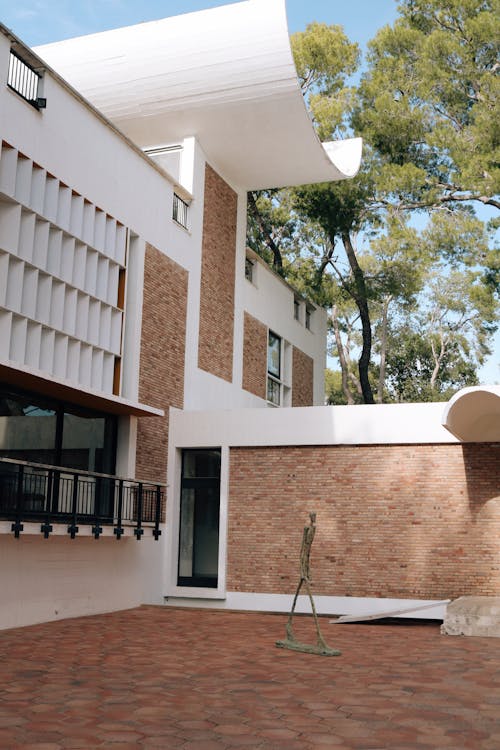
(155, 677)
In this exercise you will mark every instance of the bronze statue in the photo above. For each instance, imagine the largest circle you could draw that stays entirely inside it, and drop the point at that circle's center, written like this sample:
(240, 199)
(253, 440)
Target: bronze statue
(291, 642)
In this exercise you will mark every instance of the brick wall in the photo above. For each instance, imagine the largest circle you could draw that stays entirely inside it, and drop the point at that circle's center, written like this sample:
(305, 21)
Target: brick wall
(302, 378)
(161, 375)
(393, 521)
(215, 347)
(254, 356)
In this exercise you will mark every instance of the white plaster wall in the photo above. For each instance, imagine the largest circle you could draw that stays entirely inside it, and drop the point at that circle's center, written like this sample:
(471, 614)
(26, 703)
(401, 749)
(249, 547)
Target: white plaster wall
(355, 606)
(75, 144)
(51, 579)
(379, 424)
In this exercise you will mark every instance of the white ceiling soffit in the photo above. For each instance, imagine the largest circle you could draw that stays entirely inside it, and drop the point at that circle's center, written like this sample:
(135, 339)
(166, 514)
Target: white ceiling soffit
(473, 414)
(224, 75)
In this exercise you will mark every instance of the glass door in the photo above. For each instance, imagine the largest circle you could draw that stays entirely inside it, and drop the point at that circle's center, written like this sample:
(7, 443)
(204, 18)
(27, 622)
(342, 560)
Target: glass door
(199, 518)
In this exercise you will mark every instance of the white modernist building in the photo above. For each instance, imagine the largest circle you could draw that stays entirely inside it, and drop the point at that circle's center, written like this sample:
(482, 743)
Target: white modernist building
(144, 349)
(125, 288)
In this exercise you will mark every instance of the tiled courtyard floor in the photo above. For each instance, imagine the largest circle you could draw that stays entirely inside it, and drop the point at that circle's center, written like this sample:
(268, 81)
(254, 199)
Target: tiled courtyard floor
(199, 680)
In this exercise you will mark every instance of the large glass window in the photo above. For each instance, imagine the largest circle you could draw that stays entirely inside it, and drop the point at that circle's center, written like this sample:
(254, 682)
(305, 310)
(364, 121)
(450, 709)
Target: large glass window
(199, 518)
(40, 430)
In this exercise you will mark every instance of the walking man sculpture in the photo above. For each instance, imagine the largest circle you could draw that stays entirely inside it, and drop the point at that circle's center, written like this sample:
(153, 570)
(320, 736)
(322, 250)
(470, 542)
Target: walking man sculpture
(305, 578)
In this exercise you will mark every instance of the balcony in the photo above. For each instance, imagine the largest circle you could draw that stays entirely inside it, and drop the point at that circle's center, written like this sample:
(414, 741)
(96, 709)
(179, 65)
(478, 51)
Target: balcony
(50, 495)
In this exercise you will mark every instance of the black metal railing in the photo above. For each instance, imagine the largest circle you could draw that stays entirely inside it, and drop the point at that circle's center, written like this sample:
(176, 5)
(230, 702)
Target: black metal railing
(54, 494)
(180, 211)
(24, 80)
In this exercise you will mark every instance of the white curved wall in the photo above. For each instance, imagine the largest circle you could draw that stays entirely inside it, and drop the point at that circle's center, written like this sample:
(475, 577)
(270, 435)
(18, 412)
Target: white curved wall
(225, 75)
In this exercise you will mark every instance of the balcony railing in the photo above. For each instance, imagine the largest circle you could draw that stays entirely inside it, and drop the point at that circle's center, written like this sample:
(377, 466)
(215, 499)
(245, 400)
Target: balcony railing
(25, 81)
(54, 494)
(180, 211)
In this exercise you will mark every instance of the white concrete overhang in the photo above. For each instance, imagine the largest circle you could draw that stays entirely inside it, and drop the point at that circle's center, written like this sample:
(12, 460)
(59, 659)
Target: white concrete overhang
(225, 76)
(473, 414)
(64, 390)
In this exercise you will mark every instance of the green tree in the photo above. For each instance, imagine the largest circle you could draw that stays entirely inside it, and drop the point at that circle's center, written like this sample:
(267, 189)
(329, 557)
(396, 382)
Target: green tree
(427, 111)
(429, 104)
(411, 366)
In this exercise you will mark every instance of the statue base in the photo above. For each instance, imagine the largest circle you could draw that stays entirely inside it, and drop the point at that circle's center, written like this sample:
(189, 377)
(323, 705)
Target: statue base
(307, 648)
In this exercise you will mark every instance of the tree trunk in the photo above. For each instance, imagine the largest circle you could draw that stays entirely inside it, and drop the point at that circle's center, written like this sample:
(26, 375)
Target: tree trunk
(438, 358)
(383, 349)
(342, 358)
(360, 297)
(266, 234)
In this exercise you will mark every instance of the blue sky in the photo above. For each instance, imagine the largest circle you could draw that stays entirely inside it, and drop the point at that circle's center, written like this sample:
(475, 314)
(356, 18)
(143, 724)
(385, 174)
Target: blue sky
(43, 21)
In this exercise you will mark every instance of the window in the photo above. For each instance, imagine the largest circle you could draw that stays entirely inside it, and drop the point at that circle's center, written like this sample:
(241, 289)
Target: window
(25, 81)
(274, 369)
(40, 430)
(199, 518)
(249, 269)
(180, 211)
(296, 309)
(309, 313)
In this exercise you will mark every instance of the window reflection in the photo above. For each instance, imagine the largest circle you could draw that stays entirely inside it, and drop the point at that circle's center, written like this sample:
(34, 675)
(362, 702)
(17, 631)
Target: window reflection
(27, 429)
(38, 430)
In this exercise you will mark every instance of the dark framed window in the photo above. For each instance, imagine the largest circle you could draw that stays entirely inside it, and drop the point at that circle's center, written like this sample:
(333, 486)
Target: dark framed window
(309, 313)
(274, 374)
(249, 269)
(198, 563)
(41, 430)
(296, 309)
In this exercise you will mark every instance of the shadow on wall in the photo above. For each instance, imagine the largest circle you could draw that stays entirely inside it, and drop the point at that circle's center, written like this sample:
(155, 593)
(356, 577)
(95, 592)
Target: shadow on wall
(482, 470)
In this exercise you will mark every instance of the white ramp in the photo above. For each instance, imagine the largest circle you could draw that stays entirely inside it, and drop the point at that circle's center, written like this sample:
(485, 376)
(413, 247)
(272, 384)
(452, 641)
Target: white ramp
(414, 610)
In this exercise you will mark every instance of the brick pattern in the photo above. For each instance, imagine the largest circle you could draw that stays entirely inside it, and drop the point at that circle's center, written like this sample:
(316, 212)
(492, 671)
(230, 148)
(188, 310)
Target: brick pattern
(161, 379)
(393, 521)
(172, 678)
(215, 346)
(254, 356)
(302, 378)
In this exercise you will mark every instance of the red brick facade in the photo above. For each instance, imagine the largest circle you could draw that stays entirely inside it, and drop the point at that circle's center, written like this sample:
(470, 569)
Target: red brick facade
(302, 378)
(215, 347)
(393, 521)
(161, 379)
(254, 356)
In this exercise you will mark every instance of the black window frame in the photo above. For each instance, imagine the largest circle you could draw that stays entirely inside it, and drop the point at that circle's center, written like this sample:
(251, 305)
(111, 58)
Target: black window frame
(61, 409)
(274, 379)
(197, 483)
(249, 269)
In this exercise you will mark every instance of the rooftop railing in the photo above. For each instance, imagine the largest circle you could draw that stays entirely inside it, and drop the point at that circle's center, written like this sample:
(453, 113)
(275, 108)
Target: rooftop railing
(56, 495)
(25, 81)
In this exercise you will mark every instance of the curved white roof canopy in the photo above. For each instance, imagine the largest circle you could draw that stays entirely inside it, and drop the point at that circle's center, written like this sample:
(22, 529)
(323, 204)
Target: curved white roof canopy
(473, 414)
(224, 75)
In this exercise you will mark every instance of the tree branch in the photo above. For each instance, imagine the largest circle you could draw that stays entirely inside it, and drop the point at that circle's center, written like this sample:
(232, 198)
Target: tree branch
(266, 234)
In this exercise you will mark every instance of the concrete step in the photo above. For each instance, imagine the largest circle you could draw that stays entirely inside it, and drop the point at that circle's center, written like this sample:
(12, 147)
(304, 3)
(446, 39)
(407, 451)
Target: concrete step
(473, 615)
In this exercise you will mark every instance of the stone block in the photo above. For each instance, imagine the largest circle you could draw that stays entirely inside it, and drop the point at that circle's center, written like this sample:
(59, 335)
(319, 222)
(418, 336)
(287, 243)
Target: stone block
(473, 615)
